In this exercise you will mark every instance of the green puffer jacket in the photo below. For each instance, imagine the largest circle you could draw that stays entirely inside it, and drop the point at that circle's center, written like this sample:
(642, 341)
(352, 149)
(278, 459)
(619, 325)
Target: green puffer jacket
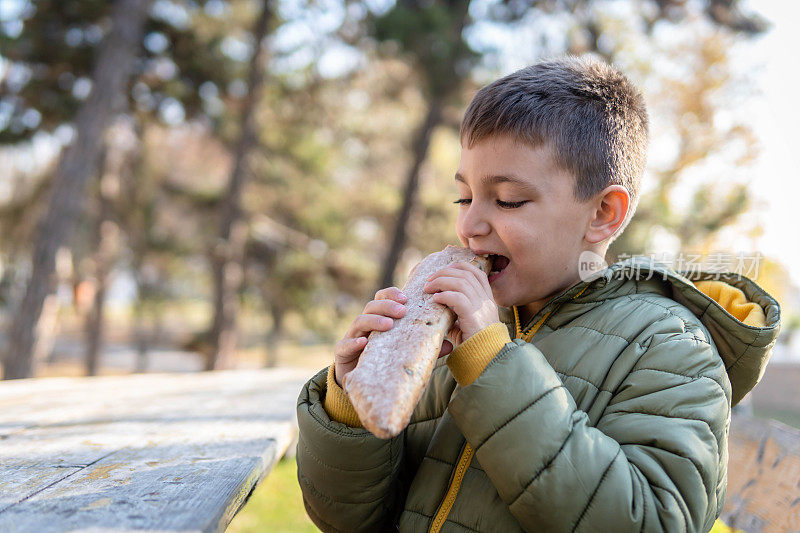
(609, 411)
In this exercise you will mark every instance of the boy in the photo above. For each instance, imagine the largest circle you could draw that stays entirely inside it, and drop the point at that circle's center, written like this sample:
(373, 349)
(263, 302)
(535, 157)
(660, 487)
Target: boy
(610, 408)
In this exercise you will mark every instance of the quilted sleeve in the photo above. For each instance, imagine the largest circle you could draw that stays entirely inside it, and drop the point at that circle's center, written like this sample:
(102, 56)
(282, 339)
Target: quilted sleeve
(655, 461)
(348, 477)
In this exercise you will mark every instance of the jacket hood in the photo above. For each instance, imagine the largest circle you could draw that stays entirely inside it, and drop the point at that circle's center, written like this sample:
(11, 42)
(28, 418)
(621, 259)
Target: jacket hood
(742, 318)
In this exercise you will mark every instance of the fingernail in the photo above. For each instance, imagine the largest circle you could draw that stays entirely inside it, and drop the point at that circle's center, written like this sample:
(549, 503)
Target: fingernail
(398, 307)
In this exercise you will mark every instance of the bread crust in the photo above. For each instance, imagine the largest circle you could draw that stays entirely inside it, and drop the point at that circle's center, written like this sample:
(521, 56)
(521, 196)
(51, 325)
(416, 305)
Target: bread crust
(396, 365)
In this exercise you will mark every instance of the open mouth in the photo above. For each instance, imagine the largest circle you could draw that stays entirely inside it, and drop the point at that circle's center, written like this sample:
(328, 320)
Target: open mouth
(499, 263)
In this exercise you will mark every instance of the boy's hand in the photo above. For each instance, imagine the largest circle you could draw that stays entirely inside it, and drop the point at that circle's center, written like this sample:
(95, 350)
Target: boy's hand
(379, 315)
(465, 289)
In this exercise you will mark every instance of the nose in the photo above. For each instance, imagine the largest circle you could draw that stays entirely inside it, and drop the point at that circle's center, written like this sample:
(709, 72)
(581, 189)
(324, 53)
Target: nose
(473, 222)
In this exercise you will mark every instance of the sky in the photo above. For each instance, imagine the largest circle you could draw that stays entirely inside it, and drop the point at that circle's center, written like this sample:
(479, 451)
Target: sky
(776, 119)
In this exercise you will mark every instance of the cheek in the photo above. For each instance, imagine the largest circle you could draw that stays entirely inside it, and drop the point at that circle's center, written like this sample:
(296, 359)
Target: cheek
(459, 231)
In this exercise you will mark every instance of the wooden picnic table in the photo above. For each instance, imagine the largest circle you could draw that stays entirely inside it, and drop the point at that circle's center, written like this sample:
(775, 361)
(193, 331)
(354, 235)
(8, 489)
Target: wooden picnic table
(140, 452)
(763, 477)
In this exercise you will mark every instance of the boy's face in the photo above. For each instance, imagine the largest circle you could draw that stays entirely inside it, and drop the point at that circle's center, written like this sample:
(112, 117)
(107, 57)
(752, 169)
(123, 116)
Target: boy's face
(542, 237)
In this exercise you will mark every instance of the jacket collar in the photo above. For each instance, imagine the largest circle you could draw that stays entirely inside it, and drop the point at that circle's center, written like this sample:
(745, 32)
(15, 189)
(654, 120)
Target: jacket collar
(742, 318)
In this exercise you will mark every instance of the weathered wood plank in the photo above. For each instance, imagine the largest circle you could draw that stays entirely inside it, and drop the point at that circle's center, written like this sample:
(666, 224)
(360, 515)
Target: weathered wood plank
(18, 484)
(144, 452)
(763, 477)
(192, 486)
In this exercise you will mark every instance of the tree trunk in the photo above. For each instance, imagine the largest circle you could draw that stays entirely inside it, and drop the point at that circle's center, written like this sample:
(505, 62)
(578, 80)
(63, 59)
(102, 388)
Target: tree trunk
(275, 335)
(227, 254)
(441, 89)
(139, 335)
(136, 222)
(105, 248)
(114, 65)
(47, 330)
(421, 144)
(94, 326)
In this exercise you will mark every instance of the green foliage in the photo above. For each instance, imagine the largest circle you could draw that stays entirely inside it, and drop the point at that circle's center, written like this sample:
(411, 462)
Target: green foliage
(429, 35)
(54, 54)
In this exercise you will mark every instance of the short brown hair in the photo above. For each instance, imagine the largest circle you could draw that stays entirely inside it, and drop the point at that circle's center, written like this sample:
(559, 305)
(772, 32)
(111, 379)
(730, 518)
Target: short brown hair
(590, 115)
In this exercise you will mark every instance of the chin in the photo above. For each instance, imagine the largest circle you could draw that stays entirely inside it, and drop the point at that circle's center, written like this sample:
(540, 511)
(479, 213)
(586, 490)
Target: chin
(499, 301)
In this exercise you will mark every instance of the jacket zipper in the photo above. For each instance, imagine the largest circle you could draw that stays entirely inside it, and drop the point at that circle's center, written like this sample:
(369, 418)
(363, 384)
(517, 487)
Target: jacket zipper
(465, 458)
(527, 336)
(455, 484)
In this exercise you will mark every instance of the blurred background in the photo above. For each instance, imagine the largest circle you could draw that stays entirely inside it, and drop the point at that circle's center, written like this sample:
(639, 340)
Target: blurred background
(191, 185)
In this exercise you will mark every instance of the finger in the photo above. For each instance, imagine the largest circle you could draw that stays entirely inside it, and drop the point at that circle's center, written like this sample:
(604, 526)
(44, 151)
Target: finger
(454, 333)
(347, 349)
(447, 347)
(388, 308)
(365, 324)
(456, 283)
(391, 293)
(468, 266)
(480, 275)
(456, 301)
(441, 272)
(466, 274)
(458, 267)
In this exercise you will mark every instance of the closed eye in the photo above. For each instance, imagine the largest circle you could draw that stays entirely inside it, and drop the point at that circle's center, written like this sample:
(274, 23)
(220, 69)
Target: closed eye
(505, 205)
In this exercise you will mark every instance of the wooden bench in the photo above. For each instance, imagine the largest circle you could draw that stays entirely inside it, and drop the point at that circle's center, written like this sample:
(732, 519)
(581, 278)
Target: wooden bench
(140, 452)
(763, 476)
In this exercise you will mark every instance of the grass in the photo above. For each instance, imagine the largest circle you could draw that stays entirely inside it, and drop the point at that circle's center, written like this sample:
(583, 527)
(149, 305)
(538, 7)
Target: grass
(276, 505)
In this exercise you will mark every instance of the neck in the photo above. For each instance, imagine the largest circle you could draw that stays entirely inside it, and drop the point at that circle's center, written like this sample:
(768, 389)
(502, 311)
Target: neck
(528, 311)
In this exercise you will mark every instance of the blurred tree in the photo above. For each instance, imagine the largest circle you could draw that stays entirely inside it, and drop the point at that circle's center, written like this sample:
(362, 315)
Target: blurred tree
(141, 198)
(227, 254)
(430, 36)
(189, 52)
(775, 279)
(191, 58)
(693, 102)
(78, 163)
(167, 213)
(121, 145)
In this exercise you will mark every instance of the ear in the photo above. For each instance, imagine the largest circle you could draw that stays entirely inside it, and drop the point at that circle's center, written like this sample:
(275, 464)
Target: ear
(610, 208)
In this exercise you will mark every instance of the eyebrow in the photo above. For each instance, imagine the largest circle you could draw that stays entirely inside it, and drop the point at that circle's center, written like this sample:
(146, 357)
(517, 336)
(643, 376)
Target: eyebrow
(494, 180)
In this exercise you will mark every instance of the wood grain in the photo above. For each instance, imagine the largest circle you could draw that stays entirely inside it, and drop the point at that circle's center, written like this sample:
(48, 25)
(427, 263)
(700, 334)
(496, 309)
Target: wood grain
(141, 453)
(763, 477)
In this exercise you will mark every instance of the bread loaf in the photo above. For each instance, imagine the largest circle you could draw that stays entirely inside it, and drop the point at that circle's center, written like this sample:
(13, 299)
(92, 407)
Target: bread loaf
(395, 365)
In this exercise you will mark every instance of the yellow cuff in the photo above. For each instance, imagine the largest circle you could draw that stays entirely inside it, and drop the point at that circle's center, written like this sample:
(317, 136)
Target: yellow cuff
(471, 356)
(338, 405)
